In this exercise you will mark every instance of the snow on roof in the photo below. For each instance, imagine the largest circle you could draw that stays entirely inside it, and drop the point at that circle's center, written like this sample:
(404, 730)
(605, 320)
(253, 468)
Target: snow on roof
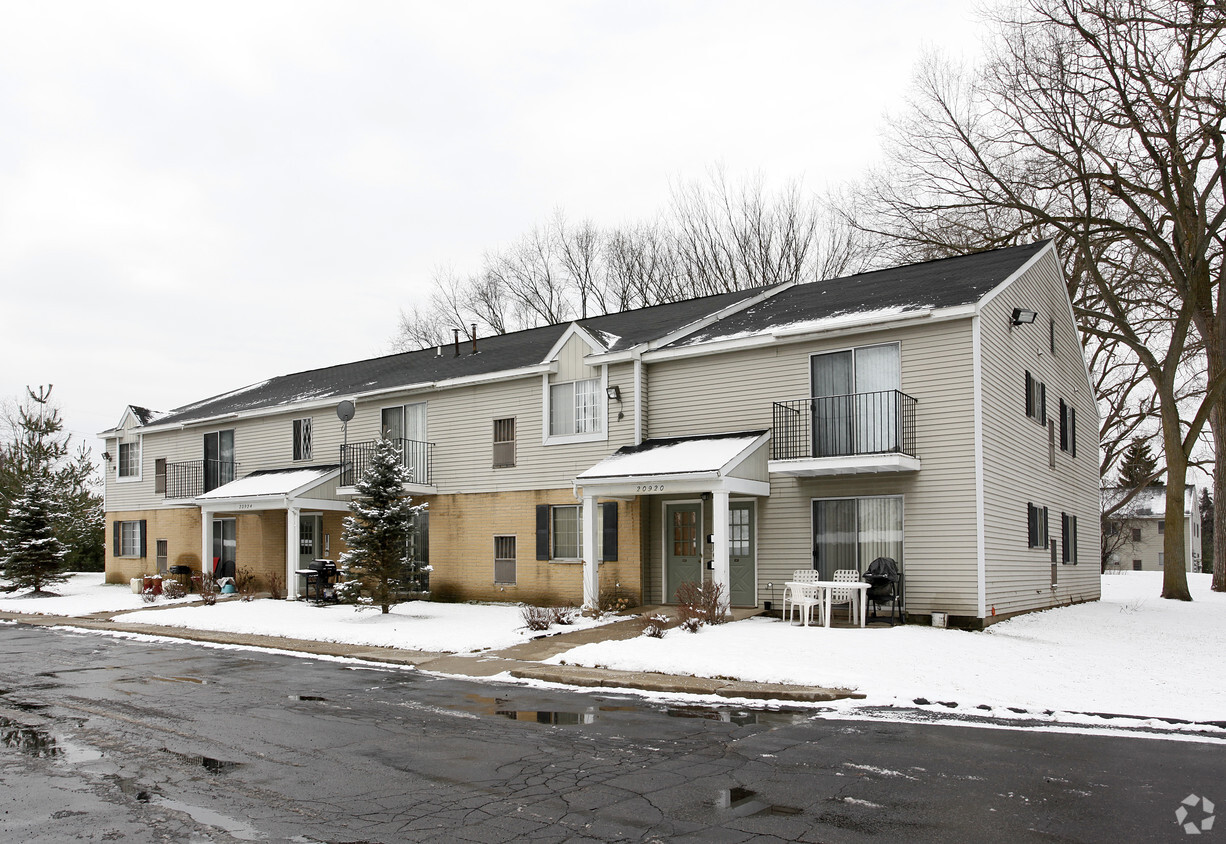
(674, 456)
(271, 482)
(829, 323)
(1148, 503)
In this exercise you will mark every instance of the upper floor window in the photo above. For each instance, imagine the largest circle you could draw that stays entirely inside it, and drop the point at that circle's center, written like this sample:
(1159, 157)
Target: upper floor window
(1161, 528)
(302, 439)
(1036, 526)
(129, 460)
(1068, 428)
(404, 422)
(574, 408)
(504, 442)
(1036, 399)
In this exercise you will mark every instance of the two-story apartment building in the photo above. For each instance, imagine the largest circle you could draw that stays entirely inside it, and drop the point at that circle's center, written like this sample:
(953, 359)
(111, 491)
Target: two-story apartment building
(1135, 537)
(939, 414)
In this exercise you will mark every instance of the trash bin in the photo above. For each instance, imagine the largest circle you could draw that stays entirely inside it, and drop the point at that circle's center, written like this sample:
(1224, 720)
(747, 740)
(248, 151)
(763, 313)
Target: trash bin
(153, 582)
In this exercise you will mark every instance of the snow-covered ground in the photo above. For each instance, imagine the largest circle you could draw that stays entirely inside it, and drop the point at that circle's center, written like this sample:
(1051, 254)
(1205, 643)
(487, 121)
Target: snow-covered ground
(417, 625)
(84, 593)
(1131, 653)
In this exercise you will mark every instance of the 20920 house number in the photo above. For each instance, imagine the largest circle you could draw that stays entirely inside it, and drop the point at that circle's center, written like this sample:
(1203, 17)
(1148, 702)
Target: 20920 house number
(641, 488)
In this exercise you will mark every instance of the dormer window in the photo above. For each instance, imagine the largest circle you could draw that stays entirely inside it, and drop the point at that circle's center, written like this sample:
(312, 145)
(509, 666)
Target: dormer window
(574, 408)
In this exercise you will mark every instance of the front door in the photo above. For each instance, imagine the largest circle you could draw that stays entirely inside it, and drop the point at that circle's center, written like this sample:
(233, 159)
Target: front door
(310, 533)
(682, 554)
(742, 571)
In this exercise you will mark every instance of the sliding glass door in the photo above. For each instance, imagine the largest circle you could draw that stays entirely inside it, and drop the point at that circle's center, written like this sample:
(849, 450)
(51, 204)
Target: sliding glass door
(855, 401)
(849, 533)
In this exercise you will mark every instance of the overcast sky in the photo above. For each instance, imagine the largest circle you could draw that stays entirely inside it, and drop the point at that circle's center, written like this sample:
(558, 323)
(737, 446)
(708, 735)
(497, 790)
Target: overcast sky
(195, 197)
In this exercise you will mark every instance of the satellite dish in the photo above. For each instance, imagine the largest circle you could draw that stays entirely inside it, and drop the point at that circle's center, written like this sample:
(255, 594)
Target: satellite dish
(344, 411)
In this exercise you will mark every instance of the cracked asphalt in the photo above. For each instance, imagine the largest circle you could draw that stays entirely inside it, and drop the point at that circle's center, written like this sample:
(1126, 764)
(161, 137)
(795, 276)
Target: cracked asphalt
(107, 739)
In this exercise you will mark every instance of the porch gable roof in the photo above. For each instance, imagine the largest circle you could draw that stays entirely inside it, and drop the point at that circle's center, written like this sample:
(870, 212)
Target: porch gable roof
(712, 461)
(271, 485)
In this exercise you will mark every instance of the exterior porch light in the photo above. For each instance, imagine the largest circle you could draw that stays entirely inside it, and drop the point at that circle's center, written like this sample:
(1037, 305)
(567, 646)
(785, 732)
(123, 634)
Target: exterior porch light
(614, 393)
(1021, 316)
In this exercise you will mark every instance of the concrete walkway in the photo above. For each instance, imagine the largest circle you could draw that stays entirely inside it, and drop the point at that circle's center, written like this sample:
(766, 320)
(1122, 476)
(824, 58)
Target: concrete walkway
(522, 661)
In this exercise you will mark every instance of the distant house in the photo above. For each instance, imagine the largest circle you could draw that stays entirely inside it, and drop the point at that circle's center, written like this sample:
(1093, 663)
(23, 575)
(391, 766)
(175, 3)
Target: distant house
(1133, 539)
(939, 414)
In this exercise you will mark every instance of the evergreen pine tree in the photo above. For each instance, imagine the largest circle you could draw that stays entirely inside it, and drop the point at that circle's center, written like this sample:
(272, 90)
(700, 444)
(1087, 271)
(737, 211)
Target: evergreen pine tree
(377, 529)
(33, 557)
(1138, 467)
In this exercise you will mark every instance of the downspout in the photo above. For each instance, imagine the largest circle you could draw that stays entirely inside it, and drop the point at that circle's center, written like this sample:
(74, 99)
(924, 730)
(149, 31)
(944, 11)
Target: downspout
(980, 527)
(638, 399)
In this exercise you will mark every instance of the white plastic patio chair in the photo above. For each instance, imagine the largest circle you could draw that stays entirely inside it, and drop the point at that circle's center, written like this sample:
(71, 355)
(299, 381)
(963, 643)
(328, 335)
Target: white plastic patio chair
(850, 597)
(805, 597)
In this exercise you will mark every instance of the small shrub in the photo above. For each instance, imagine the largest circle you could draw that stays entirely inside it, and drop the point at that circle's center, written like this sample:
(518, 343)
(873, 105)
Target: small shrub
(612, 600)
(276, 582)
(564, 616)
(207, 587)
(148, 595)
(245, 583)
(173, 590)
(690, 624)
(656, 626)
(349, 592)
(537, 618)
(704, 603)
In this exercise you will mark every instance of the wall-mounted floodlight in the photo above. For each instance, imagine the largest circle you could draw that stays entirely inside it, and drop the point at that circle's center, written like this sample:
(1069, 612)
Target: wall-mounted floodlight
(1021, 316)
(614, 393)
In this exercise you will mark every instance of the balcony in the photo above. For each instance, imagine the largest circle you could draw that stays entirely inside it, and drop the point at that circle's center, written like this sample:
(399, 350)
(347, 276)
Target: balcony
(842, 435)
(195, 477)
(416, 456)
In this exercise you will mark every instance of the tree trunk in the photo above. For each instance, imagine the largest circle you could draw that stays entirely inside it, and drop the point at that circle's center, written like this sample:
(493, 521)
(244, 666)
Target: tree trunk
(1217, 423)
(1174, 566)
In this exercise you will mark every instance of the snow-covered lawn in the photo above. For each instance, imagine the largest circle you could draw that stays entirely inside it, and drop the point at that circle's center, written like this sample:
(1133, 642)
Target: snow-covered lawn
(1130, 653)
(84, 593)
(417, 625)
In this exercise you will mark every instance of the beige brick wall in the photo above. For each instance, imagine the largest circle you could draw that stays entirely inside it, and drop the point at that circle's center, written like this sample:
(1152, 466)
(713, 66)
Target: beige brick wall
(462, 530)
(260, 538)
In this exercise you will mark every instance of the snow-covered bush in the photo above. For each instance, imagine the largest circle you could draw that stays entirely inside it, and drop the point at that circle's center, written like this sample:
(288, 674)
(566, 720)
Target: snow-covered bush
(537, 618)
(656, 626)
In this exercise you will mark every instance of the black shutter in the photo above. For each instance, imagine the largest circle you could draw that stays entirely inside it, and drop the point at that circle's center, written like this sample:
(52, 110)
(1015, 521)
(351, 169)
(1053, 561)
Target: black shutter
(609, 554)
(1029, 394)
(1046, 529)
(1072, 431)
(1043, 403)
(142, 539)
(542, 531)
(1064, 408)
(116, 537)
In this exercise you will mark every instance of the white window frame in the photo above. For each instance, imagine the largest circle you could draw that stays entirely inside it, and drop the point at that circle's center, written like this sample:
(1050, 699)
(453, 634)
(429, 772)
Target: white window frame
(902, 508)
(601, 434)
(305, 438)
(138, 446)
(553, 533)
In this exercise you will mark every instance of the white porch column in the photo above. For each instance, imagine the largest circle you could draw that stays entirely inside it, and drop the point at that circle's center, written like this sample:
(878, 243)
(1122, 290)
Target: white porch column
(719, 529)
(292, 515)
(206, 542)
(591, 544)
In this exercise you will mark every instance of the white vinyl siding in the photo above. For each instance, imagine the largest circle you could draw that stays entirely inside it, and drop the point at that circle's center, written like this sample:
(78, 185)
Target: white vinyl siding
(1017, 467)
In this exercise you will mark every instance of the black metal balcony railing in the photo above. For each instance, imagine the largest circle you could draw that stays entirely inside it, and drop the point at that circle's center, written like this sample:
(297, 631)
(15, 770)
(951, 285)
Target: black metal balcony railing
(839, 426)
(415, 456)
(187, 480)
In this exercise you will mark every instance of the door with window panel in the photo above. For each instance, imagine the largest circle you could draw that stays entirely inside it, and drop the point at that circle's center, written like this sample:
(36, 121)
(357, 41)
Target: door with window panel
(407, 425)
(742, 568)
(683, 555)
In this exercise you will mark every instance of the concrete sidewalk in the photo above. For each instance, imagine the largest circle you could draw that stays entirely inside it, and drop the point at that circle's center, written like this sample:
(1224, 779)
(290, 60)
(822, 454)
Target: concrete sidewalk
(522, 661)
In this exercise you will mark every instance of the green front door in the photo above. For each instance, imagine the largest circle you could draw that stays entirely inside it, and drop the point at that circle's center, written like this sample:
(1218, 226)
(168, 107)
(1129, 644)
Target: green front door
(682, 557)
(742, 570)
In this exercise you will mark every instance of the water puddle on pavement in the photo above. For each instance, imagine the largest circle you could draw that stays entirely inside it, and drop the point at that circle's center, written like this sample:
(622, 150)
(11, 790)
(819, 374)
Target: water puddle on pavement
(743, 802)
(195, 680)
(213, 766)
(503, 708)
(308, 697)
(743, 717)
(42, 744)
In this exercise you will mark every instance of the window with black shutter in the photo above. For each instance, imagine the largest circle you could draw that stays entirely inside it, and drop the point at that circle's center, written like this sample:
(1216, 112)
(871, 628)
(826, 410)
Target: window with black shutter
(1068, 537)
(1036, 526)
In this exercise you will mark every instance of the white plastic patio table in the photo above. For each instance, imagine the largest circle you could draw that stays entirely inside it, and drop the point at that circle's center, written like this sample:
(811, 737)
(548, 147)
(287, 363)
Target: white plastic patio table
(825, 587)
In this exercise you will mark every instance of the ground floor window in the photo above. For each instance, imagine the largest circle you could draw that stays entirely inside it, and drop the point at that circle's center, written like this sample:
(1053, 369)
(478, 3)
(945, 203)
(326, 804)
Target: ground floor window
(504, 559)
(129, 539)
(568, 532)
(849, 533)
(559, 531)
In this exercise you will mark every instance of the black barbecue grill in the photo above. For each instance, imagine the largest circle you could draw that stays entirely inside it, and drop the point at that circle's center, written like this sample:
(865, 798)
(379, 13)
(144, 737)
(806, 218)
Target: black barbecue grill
(885, 586)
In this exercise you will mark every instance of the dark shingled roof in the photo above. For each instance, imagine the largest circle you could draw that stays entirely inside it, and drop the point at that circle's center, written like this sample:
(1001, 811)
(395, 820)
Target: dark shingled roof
(936, 284)
(943, 283)
(494, 354)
